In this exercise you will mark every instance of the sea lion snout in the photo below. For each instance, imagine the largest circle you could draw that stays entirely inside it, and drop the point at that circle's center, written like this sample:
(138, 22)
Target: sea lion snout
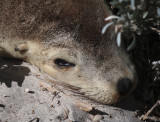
(124, 85)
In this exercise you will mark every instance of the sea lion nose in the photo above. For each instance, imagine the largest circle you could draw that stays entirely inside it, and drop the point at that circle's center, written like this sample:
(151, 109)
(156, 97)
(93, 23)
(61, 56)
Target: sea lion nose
(124, 85)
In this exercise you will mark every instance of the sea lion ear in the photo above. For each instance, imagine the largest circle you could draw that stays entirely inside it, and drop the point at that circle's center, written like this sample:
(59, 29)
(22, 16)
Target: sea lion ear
(22, 47)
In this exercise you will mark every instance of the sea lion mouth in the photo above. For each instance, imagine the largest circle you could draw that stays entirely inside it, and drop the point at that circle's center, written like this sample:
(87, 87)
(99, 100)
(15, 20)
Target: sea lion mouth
(102, 96)
(94, 94)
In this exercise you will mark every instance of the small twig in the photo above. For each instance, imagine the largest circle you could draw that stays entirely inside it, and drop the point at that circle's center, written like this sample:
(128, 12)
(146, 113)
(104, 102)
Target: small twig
(146, 116)
(155, 29)
(83, 106)
(155, 119)
(47, 86)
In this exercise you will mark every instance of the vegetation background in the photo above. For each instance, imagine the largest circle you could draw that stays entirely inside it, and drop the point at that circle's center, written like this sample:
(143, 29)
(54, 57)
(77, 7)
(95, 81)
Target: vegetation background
(137, 24)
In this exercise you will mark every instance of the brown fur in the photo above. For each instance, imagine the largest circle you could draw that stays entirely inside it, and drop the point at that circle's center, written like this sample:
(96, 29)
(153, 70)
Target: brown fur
(71, 30)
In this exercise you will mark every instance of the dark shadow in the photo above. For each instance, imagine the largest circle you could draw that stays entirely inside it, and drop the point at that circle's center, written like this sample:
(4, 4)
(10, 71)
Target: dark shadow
(96, 112)
(2, 106)
(10, 70)
(35, 120)
(130, 103)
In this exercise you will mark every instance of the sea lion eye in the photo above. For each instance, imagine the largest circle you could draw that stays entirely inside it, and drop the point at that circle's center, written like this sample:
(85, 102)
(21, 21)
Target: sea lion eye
(63, 63)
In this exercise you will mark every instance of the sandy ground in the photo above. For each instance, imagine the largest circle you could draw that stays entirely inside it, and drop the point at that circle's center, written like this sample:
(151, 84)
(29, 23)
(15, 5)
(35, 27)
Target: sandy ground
(24, 97)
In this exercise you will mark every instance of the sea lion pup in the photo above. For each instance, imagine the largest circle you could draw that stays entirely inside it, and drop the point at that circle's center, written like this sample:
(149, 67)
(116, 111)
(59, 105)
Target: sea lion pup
(63, 38)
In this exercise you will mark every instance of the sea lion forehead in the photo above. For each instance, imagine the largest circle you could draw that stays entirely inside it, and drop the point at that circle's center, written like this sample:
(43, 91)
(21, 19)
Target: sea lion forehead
(40, 18)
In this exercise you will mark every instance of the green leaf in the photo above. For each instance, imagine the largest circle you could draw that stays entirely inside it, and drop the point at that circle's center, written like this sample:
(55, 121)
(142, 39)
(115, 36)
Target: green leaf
(158, 11)
(112, 17)
(113, 2)
(136, 14)
(119, 39)
(133, 5)
(106, 26)
(133, 44)
(145, 14)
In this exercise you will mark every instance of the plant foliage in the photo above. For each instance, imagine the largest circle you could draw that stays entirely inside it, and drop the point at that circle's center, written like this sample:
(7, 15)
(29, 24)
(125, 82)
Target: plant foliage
(135, 17)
